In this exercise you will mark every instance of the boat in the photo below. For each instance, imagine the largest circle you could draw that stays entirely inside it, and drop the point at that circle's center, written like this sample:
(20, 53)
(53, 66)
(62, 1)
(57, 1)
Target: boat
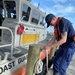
(22, 24)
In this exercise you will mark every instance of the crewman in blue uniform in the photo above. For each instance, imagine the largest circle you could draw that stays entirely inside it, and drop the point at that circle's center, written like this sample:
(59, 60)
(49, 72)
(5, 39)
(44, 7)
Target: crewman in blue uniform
(65, 35)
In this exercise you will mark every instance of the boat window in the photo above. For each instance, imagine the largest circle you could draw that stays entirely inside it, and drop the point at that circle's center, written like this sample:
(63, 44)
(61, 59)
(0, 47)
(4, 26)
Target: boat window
(42, 21)
(35, 17)
(25, 12)
(10, 9)
(1, 13)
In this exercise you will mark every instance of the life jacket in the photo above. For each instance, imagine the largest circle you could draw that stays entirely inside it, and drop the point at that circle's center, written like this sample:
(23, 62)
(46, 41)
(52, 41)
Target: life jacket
(57, 30)
(57, 33)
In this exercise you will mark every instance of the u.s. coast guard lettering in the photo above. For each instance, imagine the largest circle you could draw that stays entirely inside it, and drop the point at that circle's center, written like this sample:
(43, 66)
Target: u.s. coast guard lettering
(12, 64)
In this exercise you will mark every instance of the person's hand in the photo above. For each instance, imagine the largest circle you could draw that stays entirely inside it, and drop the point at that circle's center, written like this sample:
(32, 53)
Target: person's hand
(45, 47)
(42, 47)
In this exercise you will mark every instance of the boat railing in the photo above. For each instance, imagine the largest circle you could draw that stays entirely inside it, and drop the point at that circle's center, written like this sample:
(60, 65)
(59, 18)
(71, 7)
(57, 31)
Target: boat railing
(11, 42)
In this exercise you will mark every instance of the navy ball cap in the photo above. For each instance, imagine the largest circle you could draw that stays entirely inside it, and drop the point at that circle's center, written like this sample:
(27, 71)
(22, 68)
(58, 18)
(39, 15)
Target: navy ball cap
(48, 19)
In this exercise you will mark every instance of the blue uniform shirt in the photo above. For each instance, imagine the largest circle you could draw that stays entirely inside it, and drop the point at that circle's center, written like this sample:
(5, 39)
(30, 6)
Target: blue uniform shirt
(66, 26)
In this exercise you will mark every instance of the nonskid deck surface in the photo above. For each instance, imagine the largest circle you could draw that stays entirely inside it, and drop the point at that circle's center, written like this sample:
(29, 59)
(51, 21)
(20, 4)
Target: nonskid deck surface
(18, 51)
(23, 51)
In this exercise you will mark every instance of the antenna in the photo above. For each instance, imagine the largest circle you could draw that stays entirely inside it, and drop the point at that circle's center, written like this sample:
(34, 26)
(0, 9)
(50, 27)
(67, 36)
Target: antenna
(38, 5)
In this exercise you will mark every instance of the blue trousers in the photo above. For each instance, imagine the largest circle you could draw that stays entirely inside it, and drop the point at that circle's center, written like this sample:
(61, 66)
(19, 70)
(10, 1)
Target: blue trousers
(63, 57)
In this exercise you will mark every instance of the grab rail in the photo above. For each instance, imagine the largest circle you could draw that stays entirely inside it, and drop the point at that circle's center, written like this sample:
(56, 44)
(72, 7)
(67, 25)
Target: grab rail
(11, 44)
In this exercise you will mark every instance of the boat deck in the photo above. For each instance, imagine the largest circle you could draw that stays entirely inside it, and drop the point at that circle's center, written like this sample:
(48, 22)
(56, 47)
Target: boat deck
(18, 51)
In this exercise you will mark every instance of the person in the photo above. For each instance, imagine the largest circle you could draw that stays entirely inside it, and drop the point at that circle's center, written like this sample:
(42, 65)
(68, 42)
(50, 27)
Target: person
(64, 33)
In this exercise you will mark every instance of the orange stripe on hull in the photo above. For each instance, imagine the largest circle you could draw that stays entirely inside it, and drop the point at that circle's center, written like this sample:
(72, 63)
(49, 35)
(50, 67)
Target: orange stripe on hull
(43, 55)
(22, 70)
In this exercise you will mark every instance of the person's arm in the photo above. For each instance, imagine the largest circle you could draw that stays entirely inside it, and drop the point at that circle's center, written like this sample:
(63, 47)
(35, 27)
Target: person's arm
(49, 43)
(61, 41)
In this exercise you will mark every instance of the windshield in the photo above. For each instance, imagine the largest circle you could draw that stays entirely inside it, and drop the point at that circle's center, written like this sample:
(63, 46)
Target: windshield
(10, 9)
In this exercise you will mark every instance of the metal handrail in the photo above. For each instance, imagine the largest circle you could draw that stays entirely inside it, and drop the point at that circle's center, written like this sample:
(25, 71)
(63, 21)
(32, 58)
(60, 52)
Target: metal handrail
(11, 44)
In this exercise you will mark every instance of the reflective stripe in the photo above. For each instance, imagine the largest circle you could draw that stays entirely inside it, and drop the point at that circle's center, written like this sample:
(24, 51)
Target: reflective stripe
(29, 38)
